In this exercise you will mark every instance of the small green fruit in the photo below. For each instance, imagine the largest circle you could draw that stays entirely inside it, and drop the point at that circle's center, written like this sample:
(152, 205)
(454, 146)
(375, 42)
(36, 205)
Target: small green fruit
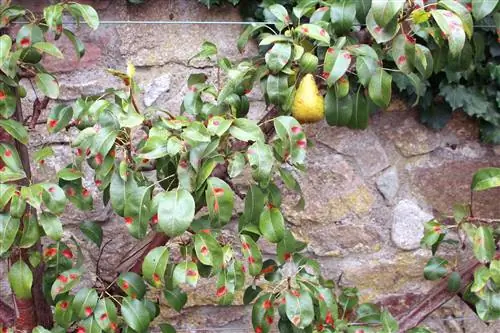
(22, 91)
(308, 62)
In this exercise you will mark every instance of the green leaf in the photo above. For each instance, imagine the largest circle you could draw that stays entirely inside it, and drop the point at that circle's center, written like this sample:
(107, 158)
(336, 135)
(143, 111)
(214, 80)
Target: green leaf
(84, 302)
(175, 211)
(105, 314)
(366, 66)
(207, 50)
(277, 89)
(336, 64)
(236, 164)
(47, 84)
(462, 12)
(176, 298)
(5, 45)
(8, 103)
(481, 277)
(88, 14)
(360, 111)
(10, 158)
(51, 225)
(368, 313)
(423, 61)
(135, 314)
(485, 179)
(482, 8)
(69, 174)
(254, 204)
(382, 34)
(220, 201)
(6, 193)
(272, 225)
(132, 284)
(59, 118)
(15, 129)
(155, 265)
(218, 125)
(246, 130)
(250, 293)
(299, 308)
(435, 268)
(252, 254)
(21, 279)
(93, 231)
(483, 244)
(263, 313)
(167, 328)
(338, 110)
(65, 281)
(290, 132)
(31, 233)
(186, 272)
(432, 233)
(48, 48)
(384, 11)
(63, 312)
(495, 271)
(403, 53)
(454, 282)
(380, 88)
(389, 324)
(77, 43)
(208, 250)
(452, 27)
(315, 32)
(342, 15)
(261, 159)
(54, 198)
(278, 56)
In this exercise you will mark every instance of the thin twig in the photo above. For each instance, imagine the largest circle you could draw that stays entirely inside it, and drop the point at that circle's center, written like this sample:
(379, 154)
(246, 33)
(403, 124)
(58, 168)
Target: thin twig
(101, 250)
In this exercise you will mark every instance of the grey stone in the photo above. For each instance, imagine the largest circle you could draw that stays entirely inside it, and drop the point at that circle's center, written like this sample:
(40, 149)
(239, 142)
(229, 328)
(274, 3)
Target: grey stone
(156, 88)
(408, 225)
(388, 183)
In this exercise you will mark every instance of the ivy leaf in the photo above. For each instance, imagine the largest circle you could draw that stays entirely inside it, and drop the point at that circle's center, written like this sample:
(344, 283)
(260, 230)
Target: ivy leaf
(261, 159)
(132, 284)
(272, 225)
(47, 84)
(299, 307)
(51, 225)
(175, 211)
(485, 179)
(380, 88)
(155, 265)
(220, 201)
(385, 10)
(483, 244)
(315, 32)
(482, 8)
(435, 268)
(21, 279)
(252, 254)
(84, 302)
(135, 314)
(15, 129)
(452, 27)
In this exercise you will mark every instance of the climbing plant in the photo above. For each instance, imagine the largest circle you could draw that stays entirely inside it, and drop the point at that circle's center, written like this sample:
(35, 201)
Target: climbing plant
(170, 176)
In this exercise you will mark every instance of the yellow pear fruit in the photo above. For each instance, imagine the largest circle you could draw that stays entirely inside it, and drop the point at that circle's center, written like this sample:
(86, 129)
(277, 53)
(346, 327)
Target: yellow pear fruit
(308, 103)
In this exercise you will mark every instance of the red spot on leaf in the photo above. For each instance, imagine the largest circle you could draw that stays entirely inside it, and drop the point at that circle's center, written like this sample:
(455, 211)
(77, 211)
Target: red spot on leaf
(156, 277)
(251, 260)
(73, 276)
(67, 253)
(343, 79)
(215, 123)
(98, 182)
(323, 9)
(216, 206)
(268, 269)
(221, 291)
(2, 95)
(204, 250)
(128, 220)
(59, 28)
(251, 151)
(287, 256)
(50, 252)
(126, 81)
(330, 50)
(269, 320)
(258, 329)
(325, 75)
(52, 189)
(52, 123)
(145, 160)
(218, 191)
(295, 293)
(205, 231)
(347, 56)
(70, 192)
(437, 229)
(329, 319)
(41, 162)
(104, 316)
(191, 272)
(125, 285)
(321, 297)
(8, 153)
(319, 327)
(78, 152)
(267, 304)
(447, 14)
(287, 18)
(85, 192)
(378, 29)
(469, 6)
(98, 159)
(64, 305)
(25, 42)
(112, 153)
(296, 320)
(322, 32)
(402, 59)
(245, 246)
(154, 219)
(301, 143)
(113, 326)
(305, 30)
(183, 164)
(88, 311)
(296, 129)
(80, 330)
(410, 39)
(63, 278)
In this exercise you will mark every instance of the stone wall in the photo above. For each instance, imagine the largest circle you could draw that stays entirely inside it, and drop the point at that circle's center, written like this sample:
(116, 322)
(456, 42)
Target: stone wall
(367, 192)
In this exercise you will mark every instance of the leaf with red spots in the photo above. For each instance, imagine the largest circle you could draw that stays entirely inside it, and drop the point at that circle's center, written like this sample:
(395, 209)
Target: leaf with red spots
(6, 193)
(299, 307)
(69, 174)
(288, 246)
(7, 100)
(246, 130)
(220, 201)
(132, 284)
(379, 33)
(84, 302)
(59, 117)
(155, 265)
(105, 313)
(483, 244)
(89, 325)
(336, 64)
(261, 159)
(208, 250)
(281, 14)
(403, 53)
(54, 198)
(186, 272)
(13, 166)
(252, 254)
(65, 282)
(315, 32)
(47, 84)
(452, 27)
(278, 56)
(263, 313)
(462, 12)
(236, 164)
(328, 309)
(63, 312)
(218, 125)
(290, 132)
(15, 129)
